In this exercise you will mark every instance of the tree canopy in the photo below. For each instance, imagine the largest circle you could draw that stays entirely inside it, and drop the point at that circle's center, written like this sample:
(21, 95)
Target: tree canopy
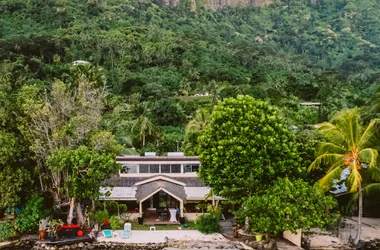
(289, 205)
(245, 148)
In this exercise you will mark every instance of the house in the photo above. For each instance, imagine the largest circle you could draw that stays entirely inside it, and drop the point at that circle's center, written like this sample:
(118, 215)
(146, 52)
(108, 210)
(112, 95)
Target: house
(151, 185)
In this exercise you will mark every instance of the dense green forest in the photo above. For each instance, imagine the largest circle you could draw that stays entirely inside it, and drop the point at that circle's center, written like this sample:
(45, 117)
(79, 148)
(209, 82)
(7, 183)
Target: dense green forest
(155, 72)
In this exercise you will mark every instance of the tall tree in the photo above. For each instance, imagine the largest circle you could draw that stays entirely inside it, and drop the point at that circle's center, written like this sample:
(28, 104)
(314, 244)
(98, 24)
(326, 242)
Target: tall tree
(349, 146)
(62, 120)
(246, 147)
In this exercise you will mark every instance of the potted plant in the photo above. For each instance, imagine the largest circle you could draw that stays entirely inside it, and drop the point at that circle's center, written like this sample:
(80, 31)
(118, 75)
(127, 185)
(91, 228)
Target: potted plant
(52, 228)
(259, 237)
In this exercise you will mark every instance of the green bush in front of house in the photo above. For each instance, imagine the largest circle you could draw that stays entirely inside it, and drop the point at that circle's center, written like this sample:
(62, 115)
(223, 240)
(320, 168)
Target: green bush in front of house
(208, 223)
(115, 222)
(7, 230)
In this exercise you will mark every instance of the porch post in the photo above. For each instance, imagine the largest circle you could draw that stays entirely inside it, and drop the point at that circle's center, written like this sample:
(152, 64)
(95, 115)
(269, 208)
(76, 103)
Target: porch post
(140, 208)
(181, 207)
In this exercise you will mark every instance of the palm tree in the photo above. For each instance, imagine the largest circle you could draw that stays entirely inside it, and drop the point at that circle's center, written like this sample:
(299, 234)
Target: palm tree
(200, 121)
(193, 129)
(349, 146)
(144, 124)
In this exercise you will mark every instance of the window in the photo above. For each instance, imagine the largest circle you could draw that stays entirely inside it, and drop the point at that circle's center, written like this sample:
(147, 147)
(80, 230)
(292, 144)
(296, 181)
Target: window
(165, 168)
(176, 168)
(129, 168)
(154, 168)
(170, 168)
(149, 168)
(190, 168)
(144, 168)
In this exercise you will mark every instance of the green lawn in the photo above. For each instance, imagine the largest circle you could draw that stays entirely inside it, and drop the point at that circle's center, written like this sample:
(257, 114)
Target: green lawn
(136, 226)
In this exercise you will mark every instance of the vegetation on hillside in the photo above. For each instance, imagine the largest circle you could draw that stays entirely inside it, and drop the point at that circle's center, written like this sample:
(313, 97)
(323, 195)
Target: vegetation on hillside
(90, 79)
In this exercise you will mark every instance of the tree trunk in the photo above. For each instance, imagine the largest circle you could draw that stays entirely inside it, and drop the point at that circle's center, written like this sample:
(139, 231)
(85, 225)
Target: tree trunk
(360, 213)
(246, 225)
(143, 140)
(71, 211)
(80, 217)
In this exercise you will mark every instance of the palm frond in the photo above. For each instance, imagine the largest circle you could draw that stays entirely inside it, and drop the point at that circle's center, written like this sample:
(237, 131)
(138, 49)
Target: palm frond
(334, 173)
(369, 156)
(348, 123)
(332, 133)
(328, 147)
(374, 174)
(354, 179)
(325, 159)
(371, 135)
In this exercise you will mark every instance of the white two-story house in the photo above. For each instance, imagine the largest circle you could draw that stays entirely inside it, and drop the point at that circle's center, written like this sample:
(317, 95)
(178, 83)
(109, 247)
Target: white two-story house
(151, 185)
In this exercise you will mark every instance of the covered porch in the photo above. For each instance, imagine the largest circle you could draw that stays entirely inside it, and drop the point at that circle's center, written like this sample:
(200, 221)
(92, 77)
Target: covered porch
(161, 200)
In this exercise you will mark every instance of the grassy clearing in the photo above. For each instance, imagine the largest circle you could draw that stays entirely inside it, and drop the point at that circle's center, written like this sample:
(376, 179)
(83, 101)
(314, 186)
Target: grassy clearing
(201, 99)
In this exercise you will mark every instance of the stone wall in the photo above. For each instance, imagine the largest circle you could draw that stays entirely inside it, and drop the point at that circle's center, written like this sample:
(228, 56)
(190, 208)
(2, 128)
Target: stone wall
(30, 245)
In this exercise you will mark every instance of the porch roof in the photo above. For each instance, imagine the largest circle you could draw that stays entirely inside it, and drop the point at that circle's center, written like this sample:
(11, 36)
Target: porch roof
(137, 193)
(199, 193)
(145, 190)
(118, 193)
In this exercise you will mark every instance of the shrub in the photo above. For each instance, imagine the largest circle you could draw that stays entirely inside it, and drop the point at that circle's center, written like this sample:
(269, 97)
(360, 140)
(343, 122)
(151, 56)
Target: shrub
(115, 222)
(7, 230)
(208, 223)
(101, 216)
(31, 214)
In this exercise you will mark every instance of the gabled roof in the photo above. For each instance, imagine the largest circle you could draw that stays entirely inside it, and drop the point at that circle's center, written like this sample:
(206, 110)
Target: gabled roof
(146, 190)
(159, 178)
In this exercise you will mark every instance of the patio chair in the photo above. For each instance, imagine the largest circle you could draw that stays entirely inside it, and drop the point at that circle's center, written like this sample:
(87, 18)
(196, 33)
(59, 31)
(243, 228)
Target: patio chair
(107, 233)
(127, 231)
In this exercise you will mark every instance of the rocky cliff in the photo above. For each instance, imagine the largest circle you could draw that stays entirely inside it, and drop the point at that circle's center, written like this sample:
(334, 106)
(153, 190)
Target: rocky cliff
(218, 4)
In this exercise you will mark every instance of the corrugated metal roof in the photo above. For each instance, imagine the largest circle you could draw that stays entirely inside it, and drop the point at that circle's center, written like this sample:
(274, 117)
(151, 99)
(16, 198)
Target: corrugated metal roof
(199, 193)
(118, 193)
(156, 158)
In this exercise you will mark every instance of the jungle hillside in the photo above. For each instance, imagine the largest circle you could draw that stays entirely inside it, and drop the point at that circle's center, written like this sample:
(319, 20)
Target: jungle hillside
(83, 81)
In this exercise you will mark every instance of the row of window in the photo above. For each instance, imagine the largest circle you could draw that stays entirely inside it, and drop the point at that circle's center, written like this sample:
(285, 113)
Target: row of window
(159, 168)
